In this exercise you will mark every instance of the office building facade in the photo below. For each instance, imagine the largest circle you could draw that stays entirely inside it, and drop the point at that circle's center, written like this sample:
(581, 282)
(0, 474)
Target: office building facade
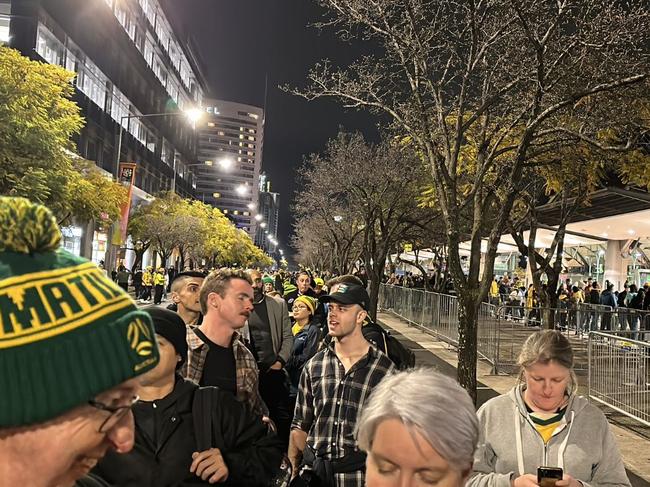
(268, 212)
(129, 62)
(230, 151)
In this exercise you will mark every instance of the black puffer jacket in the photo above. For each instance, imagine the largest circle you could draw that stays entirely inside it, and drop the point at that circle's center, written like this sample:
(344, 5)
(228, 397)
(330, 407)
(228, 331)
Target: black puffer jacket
(251, 453)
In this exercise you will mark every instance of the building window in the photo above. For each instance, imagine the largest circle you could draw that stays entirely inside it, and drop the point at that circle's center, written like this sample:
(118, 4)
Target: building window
(48, 46)
(93, 83)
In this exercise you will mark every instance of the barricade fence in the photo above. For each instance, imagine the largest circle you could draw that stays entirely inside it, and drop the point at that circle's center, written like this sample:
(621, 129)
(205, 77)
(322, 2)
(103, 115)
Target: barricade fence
(437, 314)
(503, 329)
(619, 373)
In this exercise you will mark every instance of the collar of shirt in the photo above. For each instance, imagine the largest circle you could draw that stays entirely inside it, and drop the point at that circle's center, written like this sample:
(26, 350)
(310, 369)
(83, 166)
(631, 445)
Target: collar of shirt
(195, 343)
(372, 353)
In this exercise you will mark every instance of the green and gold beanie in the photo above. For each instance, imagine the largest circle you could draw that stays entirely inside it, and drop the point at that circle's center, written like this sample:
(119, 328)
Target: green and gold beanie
(67, 332)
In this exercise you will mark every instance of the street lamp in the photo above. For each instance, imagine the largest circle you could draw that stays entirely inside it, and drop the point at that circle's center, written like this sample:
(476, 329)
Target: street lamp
(241, 190)
(226, 163)
(259, 218)
(192, 115)
(263, 225)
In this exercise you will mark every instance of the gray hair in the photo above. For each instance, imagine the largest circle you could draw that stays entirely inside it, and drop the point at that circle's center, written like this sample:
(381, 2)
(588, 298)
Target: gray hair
(544, 347)
(431, 404)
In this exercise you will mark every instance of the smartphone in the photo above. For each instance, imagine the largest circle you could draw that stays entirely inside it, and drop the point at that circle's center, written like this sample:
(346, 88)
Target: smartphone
(547, 476)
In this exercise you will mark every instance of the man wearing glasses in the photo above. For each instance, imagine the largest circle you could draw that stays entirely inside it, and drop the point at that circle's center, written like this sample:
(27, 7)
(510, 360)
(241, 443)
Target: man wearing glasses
(71, 344)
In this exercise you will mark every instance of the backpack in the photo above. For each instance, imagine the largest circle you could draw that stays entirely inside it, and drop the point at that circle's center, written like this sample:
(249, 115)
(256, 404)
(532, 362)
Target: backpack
(402, 357)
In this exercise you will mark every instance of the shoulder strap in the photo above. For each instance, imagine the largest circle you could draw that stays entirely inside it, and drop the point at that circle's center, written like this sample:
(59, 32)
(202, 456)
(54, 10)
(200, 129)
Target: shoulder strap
(202, 417)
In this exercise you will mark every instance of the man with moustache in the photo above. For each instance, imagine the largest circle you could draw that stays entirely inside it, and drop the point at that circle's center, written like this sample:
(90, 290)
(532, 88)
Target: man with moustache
(185, 296)
(216, 354)
(186, 434)
(334, 386)
(71, 344)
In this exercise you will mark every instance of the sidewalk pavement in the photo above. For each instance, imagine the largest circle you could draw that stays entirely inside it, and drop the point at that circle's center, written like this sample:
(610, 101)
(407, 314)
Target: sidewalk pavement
(432, 352)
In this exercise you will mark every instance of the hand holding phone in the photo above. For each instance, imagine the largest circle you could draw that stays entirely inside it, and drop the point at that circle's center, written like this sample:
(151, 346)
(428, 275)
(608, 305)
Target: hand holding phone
(548, 476)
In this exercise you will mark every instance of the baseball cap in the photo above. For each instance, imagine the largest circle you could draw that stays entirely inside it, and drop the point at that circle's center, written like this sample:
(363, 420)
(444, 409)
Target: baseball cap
(348, 294)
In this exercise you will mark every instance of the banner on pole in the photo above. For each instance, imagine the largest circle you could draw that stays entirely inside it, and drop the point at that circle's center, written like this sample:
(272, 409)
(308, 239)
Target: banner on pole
(126, 176)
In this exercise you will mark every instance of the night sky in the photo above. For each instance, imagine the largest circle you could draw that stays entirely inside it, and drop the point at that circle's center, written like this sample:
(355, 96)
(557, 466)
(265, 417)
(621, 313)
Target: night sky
(242, 41)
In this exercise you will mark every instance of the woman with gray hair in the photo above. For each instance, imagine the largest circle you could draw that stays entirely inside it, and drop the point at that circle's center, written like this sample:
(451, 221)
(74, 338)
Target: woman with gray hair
(418, 428)
(543, 424)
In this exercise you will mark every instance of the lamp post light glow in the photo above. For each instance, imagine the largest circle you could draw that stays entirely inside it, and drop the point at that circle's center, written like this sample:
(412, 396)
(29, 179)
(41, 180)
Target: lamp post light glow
(263, 225)
(259, 218)
(226, 163)
(241, 190)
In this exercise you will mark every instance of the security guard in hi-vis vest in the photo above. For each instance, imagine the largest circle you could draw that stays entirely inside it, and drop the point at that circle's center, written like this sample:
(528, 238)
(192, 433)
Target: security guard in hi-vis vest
(159, 285)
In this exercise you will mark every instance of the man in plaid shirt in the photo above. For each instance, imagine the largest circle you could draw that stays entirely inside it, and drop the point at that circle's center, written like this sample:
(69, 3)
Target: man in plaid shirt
(334, 386)
(216, 354)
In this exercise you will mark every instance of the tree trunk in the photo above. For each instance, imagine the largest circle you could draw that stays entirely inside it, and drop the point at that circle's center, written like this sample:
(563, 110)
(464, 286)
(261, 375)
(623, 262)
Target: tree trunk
(375, 281)
(467, 345)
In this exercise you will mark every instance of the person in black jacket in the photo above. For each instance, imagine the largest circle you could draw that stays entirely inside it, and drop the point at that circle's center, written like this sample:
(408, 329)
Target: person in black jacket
(607, 298)
(190, 435)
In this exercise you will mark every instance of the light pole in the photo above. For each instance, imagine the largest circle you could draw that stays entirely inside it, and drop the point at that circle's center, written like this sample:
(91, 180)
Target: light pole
(192, 115)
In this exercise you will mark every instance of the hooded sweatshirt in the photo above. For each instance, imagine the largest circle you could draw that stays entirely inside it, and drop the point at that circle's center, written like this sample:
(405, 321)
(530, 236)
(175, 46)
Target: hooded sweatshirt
(510, 446)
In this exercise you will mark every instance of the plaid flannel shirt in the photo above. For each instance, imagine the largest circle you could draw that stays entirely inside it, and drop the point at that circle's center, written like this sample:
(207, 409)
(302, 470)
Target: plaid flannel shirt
(247, 373)
(329, 400)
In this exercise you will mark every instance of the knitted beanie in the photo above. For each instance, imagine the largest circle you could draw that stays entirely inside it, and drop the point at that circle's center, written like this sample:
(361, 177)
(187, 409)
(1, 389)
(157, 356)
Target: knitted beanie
(308, 301)
(67, 332)
(267, 280)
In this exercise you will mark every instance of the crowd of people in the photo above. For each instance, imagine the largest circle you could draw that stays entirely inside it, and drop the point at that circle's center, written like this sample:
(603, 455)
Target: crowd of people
(251, 380)
(581, 305)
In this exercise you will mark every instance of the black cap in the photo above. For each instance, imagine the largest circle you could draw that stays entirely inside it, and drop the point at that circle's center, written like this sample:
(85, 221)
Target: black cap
(348, 294)
(171, 326)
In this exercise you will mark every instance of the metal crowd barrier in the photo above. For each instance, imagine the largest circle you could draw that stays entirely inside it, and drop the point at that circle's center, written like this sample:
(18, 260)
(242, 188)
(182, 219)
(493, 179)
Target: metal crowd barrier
(611, 346)
(619, 373)
(437, 314)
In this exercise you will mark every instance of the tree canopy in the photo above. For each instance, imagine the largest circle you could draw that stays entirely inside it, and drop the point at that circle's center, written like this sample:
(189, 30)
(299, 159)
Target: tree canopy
(37, 122)
(200, 233)
(485, 90)
(363, 198)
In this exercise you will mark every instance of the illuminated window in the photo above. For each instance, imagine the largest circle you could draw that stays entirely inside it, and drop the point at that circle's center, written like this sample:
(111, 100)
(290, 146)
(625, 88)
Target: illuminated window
(241, 136)
(210, 124)
(216, 195)
(235, 212)
(221, 133)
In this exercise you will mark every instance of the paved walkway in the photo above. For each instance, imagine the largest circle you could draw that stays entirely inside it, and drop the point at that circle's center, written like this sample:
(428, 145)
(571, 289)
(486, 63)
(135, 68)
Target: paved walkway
(635, 449)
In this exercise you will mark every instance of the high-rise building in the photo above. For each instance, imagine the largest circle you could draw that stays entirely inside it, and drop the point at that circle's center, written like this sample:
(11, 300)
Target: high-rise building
(134, 76)
(230, 148)
(268, 211)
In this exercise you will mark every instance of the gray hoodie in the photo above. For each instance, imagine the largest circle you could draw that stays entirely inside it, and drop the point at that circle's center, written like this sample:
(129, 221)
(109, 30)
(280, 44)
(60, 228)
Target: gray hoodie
(510, 446)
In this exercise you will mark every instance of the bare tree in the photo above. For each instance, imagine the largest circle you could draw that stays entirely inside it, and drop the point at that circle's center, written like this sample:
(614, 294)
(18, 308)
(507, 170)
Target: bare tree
(482, 88)
(372, 191)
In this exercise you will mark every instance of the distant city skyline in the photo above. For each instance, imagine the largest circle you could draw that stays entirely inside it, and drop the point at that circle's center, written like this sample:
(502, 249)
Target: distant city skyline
(244, 42)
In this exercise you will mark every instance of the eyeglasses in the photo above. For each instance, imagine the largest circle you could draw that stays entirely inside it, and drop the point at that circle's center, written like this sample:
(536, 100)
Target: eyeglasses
(300, 307)
(117, 413)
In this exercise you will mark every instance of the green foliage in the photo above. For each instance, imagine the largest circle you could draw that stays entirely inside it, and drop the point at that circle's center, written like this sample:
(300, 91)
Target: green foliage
(199, 231)
(37, 121)
(96, 195)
